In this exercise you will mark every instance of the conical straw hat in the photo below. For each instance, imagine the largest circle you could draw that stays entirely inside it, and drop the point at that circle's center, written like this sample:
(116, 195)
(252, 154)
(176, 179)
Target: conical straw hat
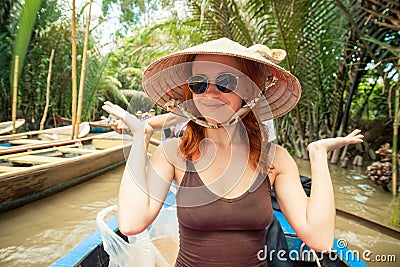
(163, 80)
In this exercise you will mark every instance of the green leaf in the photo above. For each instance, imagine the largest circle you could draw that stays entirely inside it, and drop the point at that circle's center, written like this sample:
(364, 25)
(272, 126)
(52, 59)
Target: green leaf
(25, 27)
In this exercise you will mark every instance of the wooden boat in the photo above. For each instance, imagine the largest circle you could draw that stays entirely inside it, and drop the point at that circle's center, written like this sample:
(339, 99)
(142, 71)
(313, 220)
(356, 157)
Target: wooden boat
(91, 252)
(30, 175)
(99, 126)
(32, 140)
(63, 121)
(64, 132)
(6, 127)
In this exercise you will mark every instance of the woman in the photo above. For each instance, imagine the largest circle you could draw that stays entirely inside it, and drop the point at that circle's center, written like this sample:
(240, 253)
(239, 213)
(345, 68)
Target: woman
(222, 165)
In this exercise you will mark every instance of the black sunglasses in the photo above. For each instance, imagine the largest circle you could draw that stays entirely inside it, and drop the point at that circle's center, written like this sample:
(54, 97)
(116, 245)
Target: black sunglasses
(225, 83)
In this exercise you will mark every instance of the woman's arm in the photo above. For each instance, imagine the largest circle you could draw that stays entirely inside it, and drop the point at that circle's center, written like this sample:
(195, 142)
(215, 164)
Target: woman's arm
(166, 120)
(312, 218)
(156, 123)
(142, 192)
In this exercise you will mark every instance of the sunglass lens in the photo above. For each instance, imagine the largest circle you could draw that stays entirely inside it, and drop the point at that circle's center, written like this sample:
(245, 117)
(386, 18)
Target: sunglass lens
(198, 84)
(226, 82)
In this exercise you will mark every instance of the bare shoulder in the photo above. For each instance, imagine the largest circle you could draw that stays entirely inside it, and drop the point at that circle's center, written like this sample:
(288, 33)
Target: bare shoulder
(169, 150)
(282, 160)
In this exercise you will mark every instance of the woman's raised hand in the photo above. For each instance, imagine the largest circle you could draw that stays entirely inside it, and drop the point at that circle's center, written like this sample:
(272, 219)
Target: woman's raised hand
(134, 125)
(330, 144)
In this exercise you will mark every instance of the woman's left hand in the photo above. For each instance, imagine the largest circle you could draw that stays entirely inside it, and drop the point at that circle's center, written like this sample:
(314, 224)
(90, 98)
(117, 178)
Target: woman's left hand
(330, 144)
(134, 125)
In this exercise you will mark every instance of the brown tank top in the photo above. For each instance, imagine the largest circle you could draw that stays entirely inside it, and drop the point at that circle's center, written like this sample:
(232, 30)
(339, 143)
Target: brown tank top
(217, 231)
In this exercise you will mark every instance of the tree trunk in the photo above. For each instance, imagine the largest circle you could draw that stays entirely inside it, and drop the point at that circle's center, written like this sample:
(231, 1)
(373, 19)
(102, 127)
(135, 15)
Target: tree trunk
(83, 72)
(364, 105)
(394, 142)
(343, 125)
(73, 69)
(46, 108)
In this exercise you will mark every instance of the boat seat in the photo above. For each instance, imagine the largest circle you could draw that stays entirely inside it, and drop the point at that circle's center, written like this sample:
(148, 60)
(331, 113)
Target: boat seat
(26, 142)
(11, 169)
(74, 150)
(32, 159)
(168, 248)
(4, 147)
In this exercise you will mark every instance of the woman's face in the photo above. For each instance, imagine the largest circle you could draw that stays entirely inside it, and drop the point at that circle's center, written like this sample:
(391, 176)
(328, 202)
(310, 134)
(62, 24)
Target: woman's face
(214, 105)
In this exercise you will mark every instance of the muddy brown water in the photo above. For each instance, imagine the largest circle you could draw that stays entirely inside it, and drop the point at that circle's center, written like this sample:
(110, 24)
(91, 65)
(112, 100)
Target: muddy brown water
(41, 232)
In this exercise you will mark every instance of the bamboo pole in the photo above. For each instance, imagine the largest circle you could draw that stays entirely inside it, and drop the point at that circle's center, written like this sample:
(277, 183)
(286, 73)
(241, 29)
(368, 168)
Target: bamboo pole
(73, 67)
(15, 95)
(83, 72)
(394, 141)
(46, 108)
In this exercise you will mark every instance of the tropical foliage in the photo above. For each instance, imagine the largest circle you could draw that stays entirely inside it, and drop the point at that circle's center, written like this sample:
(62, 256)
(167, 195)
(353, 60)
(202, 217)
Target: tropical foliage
(335, 48)
(344, 52)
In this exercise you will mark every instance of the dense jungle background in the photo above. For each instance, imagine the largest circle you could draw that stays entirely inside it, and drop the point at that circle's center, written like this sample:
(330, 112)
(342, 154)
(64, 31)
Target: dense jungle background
(344, 52)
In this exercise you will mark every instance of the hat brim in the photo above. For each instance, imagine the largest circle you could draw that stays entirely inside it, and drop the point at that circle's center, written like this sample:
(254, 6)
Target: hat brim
(163, 80)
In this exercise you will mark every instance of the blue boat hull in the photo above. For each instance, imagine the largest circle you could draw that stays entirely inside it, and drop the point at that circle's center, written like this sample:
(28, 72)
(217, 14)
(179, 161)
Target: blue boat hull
(90, 252)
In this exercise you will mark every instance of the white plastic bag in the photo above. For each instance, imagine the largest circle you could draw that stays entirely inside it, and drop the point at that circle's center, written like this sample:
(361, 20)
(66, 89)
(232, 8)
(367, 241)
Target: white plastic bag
(166, 224)
(140, 251)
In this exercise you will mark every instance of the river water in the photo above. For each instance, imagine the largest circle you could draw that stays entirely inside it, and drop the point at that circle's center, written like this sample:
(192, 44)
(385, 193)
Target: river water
(39, 233)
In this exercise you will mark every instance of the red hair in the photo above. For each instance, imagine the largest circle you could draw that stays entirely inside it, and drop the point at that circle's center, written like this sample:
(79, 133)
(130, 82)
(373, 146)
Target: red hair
(195, 133)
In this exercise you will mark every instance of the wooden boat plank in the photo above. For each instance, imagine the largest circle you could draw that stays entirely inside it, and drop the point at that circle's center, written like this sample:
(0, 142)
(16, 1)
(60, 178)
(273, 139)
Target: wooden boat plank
(47, 144)
(33, 159)
(32, 152)
(74, 150)
(11, 168)
(26, 142)
(106, 143)
(20, 135)
(84, 130)
(6, 127)
(111, 139)
(13, 137)
(101, 123)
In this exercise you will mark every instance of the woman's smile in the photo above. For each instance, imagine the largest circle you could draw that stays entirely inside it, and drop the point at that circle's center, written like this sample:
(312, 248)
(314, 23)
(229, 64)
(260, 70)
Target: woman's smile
(214, 106)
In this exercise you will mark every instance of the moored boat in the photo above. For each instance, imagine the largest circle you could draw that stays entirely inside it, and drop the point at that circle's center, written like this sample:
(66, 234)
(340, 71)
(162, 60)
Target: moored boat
(100, 126)
(7, 126)
(14, 143)
(64, 132)
(30, 175)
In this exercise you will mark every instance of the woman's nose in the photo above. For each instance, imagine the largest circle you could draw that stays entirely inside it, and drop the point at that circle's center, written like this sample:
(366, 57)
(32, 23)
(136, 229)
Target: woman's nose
(212, 90)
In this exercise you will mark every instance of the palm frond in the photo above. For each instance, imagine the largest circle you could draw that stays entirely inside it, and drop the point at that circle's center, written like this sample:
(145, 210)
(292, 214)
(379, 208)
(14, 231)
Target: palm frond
(93, 89)
(222, 19)
(25, 27)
